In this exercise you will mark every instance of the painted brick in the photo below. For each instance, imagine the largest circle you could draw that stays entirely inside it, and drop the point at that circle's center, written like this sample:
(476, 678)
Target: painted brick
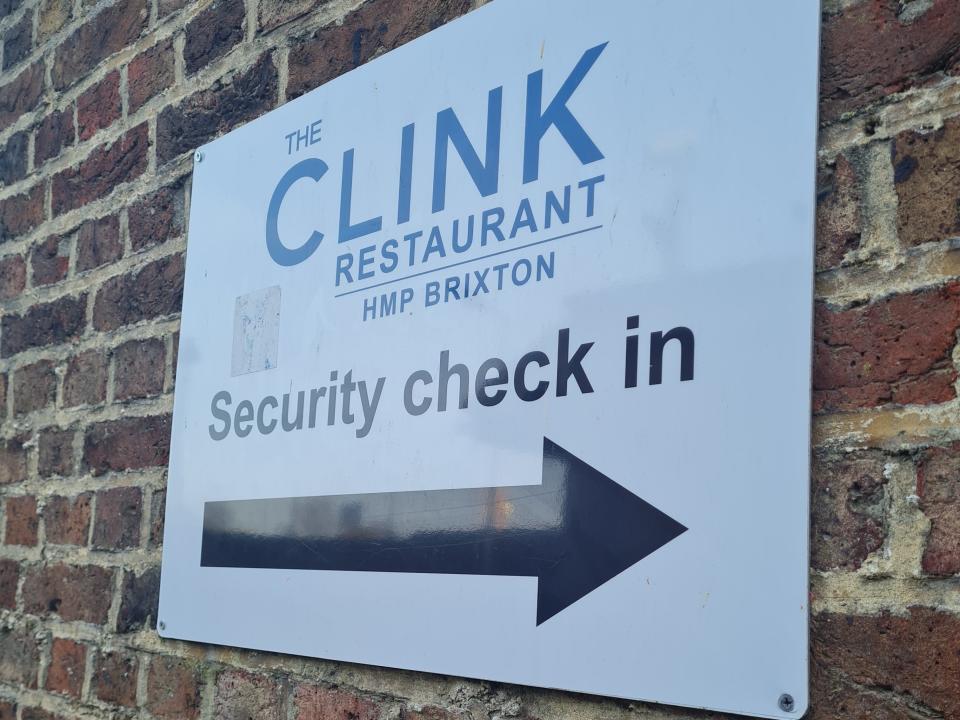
(117, 522)
(13, 276)
(149, 73)
(85, 379)
(139, 598)
(213, 32)
(139, 367)
(54, 133)
(67, 661)
(80, 593)
(9, 577)
(895, 350)
(129, 443)
(22, 521)
(19, 214)
(98, 243)
(17, 41)
(173, 689)
(55, 452)
(114, 679)
(34, 387)
(938, 485)
(241, 694)
(66, 520)
(21, 95)
(13, 158)
(19, 656)
(157, 217)
(98, 106)
(315, 703)
(153, 291)
(50, 261)
(13, 461)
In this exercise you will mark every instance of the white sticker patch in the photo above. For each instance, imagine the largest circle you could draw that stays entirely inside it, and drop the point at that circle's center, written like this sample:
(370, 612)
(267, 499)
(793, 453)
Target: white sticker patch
(256, 331)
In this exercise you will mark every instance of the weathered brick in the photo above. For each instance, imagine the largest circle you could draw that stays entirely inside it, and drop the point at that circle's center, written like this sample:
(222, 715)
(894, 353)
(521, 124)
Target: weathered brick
(54, 133)
(34, 387)
(241, 695)
(36, 713)
(158, 504)
(153, 291)
(372, 28)
(839, 221)
(868, 52)
(103, 169)
(85, 380)
(115, 678)
(13, 461)
(129, 443)
(3, 396)
(938, 485)
(98, 106)
(8, 7)
(914, 655)
(55, 452)
(13, 276)
(315, 703)
(230, 102)
(19, 214)
(894, 350)
(273, 13)
(50, 261)
(80, 593)
(54, 14)
(106, 33)
(66, 520)
(157, 217)
(213, 32)
(9, 577)
(927, 177)
(21, 95)
(117, 522)
(8, 710)
(168, 7)
(19, 656)
(22, 520)
(13, 158)
(43, 324)
(149, 73)
(98, 243)
(67, 662)
(139, 597)
(431, 712)
(173, 689)
(17, 41)
(139, 367)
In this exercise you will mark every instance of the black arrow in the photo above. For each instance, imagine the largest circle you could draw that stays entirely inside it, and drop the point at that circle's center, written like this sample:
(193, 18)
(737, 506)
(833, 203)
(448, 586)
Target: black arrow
(574, 532)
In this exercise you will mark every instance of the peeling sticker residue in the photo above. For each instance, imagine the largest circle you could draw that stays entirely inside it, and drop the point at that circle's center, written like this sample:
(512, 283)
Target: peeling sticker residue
(256, 331)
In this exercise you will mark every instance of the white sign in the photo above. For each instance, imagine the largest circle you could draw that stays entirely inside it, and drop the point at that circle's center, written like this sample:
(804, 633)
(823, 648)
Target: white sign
(495, 359)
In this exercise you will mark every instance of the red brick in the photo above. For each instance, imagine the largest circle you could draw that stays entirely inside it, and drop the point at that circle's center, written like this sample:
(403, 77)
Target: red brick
(117, 522)
(55, 452)
(868, 52)
(938, 485)
(80, 593)
(273, 13)
(22, 520)
(35, 713)
(927, 177)
(13, 461)
(50, 261)
(21, 95)
(19, 655)
(67, 662)
(153, 291)
(104, 169)
(8, 710)
(129, 443)
(85, 381)
(54, 133)
(149, 73)
(315, 703)
(241, 694)
(213, 32)
(106, 33)
(157, 217)
(9, 577)
(245, 95)
(115, 678)
(158, 504)
(839, 221)
(13, 158)
(894, 350)
(34, 387)
(13, 277)
(139, 598)
(915, 656)
(19, 214)
(98, 106)
(54, 14)
(17, 41)
(374, 27)
(98, 243)
(139, 367)
(43, 324)
(173, 689)
(66, 520)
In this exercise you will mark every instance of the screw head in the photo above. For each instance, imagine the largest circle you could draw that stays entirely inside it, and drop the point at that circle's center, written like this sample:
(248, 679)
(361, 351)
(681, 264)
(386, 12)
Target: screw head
(198, 156)
(163, 625)
(786, 702)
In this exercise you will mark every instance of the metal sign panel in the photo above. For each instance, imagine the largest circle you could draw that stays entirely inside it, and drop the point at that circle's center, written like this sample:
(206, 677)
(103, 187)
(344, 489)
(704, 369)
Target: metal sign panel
(495, 359)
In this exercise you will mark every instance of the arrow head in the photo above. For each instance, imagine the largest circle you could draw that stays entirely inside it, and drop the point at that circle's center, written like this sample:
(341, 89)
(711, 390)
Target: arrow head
(605, 530)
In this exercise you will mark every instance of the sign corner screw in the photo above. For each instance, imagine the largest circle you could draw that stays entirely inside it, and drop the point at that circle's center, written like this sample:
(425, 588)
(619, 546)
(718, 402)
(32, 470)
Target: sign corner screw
(198, 156)
(786, 702)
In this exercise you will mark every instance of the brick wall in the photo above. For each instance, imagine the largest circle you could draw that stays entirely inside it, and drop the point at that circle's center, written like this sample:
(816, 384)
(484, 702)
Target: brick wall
(101, 104)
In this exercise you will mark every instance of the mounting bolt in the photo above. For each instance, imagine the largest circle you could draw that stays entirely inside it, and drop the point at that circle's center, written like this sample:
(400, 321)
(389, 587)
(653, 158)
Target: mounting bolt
(198, 156)
(786, 702)
(162, 624)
